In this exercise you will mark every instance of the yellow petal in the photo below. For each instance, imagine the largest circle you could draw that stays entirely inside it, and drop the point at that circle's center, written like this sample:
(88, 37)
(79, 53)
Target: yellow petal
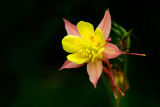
(69, 42)
(98, 54)
(78, 58)
(86, 30)
(100, 38)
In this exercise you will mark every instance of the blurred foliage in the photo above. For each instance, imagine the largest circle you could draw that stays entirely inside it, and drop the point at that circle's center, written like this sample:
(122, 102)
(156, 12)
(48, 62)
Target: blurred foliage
(31, 54)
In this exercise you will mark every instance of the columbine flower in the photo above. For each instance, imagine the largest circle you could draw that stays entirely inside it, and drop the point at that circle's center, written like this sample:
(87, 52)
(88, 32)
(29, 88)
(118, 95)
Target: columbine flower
(90, 47)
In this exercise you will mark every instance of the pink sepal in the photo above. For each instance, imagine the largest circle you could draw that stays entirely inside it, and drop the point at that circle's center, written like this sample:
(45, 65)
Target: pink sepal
(111, 51)
(69, 64)
(71, 29)
(94, 70)
(105, 24)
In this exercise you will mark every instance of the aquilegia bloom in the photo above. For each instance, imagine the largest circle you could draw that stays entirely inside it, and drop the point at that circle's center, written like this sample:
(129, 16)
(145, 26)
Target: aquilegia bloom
(90, 47)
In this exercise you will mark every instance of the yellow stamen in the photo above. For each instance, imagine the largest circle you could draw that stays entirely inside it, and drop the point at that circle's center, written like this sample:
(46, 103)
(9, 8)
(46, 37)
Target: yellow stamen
(86, 54)
(143, 54)
(89, 51)
(83, 53)
(115, 96)
(79, 51)
(92, 52)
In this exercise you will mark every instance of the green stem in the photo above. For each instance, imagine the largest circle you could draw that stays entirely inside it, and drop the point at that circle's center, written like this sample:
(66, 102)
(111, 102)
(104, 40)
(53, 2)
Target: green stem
(124, 76)
(124, 71)
(105, 84)
(118, 102)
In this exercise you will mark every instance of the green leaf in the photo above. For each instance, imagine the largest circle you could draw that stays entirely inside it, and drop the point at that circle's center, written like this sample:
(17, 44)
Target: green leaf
(127, 33)
(119, 28)
(117, 31)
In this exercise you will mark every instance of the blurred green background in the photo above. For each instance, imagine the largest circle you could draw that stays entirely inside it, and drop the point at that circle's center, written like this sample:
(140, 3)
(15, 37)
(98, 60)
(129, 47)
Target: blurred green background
(31, 53)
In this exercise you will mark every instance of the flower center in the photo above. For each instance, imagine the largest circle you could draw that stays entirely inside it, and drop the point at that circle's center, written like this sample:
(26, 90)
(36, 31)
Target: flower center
(87, 47)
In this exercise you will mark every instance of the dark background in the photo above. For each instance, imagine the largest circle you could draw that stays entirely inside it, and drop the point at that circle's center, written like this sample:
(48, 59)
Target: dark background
(31, 53)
